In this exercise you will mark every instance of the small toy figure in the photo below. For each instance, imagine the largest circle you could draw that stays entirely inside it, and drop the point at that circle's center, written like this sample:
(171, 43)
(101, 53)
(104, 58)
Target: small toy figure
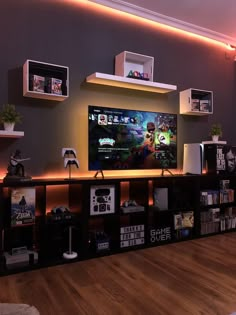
(15, 169)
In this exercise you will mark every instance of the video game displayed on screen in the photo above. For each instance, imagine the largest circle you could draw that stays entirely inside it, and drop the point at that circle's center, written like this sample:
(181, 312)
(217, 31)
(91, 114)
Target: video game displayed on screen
(122, 139)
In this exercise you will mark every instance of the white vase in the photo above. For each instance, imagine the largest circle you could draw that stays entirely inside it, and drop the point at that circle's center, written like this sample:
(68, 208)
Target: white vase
(215, 138)
(8, 126)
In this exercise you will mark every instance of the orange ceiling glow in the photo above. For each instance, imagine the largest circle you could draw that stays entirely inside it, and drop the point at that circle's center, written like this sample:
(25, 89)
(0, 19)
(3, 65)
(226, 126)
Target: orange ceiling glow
(115, 13)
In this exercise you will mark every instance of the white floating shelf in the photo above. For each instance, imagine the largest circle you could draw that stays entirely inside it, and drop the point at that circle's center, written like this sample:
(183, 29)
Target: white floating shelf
(214, 142)
(46, 96)
(128, 83)
(11, 134)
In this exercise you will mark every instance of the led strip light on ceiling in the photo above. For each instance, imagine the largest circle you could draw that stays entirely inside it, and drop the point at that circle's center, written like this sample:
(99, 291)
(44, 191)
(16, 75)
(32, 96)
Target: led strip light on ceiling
(123, 6)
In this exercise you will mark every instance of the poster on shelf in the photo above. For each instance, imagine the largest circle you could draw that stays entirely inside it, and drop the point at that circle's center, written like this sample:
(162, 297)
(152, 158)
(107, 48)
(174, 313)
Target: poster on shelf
(102, 199)
(22, 206)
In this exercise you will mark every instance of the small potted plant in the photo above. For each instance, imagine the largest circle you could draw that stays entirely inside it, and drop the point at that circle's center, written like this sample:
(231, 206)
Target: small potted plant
(9, 116)
(216, 132)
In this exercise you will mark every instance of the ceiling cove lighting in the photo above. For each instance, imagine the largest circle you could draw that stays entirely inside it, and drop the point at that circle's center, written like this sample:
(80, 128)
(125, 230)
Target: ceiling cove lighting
(169, 22)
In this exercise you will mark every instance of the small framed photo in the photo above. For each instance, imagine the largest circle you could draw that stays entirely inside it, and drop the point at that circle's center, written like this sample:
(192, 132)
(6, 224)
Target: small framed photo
(102, 199)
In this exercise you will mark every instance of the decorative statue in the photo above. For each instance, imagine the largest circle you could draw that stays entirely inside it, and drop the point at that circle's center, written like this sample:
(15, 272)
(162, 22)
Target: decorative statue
(15, 169)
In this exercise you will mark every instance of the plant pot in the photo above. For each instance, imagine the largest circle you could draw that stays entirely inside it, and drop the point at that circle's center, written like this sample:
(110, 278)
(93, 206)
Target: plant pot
(215, 138)
(8, 126)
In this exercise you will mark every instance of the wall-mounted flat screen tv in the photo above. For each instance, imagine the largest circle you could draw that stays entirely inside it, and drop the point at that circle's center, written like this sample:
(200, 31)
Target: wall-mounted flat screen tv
(125, 139)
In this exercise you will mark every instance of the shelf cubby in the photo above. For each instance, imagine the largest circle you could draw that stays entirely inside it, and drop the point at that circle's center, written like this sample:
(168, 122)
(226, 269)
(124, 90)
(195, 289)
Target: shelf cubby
(45, 71)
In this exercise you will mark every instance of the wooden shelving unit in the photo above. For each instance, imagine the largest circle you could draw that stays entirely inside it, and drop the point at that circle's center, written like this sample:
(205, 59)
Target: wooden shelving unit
(146, 227)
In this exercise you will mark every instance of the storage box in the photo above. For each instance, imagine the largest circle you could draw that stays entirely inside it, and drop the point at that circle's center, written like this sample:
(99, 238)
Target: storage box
(128, 61)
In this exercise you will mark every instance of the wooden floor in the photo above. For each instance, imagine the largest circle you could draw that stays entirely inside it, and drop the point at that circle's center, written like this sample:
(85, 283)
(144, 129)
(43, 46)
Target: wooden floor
(193, 277)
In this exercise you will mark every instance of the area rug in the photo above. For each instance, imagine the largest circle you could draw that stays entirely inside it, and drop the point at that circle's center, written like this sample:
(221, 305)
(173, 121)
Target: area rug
(17, 309)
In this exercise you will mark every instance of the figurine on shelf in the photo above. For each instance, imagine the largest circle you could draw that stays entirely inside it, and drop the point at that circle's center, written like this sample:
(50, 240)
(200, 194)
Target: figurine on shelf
(15, 169)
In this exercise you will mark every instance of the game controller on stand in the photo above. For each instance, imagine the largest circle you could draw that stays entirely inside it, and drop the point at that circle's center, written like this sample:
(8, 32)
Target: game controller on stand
(60, 213)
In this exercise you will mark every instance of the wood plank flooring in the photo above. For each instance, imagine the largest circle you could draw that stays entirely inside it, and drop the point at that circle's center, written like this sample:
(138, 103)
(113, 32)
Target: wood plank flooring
(189, 278)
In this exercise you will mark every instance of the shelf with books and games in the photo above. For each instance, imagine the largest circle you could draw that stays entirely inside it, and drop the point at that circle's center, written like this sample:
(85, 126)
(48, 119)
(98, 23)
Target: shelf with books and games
(218, 208)
(196, 102)
(45, 80)
(109, 215)
(173, 209)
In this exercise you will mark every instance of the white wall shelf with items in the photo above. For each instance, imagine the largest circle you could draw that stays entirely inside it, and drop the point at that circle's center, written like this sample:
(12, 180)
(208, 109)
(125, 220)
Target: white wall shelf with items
(136, 66)
(132, 71)
(128, 83)
(11, 134)
(196, 102)
(45, 80)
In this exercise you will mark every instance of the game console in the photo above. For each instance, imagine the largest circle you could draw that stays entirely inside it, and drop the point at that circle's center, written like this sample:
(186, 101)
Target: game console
(20, 257)
(130, 206)
(193, 158)
(102, 199)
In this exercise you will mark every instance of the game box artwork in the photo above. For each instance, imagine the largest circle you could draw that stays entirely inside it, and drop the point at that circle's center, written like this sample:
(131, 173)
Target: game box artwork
(131, 139)
(22, 206)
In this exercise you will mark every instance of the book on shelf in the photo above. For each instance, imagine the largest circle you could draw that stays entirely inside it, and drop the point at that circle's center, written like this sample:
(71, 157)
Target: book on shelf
(209, 197)
(226, 195)
(22, 206)
(214, 214)
(224, 184)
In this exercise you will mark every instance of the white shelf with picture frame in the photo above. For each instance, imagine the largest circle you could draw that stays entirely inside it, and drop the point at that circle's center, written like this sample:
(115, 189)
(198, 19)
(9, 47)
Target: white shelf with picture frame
(45, 80)
(196, 102)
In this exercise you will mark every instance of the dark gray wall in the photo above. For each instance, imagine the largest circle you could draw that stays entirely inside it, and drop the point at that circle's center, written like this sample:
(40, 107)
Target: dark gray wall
(86, 40)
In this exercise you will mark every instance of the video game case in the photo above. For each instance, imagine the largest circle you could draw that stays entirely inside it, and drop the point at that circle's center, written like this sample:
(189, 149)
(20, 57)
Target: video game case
(36, 83)
(204, 106)
(53, 86)
(195, 106)
(224, 184)
(22, 206)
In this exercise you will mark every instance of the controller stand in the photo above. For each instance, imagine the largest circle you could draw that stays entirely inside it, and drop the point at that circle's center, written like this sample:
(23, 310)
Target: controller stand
(70, 254)
(166, 170)
(99, 171)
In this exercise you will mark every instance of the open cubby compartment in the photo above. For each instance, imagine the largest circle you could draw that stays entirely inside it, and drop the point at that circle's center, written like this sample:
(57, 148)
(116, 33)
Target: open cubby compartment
(51, 74)
(196, 102)
(128, 61)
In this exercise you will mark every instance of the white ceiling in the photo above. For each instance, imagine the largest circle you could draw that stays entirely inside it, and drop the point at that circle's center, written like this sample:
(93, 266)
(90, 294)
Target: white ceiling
(211, 18)
(215, 15)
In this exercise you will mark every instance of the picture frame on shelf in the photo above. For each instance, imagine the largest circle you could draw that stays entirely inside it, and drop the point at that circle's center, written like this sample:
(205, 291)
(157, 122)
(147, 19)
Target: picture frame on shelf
(102, 199)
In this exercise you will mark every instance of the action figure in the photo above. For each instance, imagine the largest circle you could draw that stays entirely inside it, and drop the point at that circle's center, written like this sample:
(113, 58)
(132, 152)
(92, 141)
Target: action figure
(15, 169)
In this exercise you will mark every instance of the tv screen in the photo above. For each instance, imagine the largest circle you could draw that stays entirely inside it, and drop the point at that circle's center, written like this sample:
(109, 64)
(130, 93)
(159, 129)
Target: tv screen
(122, 139)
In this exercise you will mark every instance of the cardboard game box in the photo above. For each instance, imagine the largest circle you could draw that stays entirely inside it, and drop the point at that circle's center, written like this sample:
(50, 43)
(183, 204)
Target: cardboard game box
(22, 206)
